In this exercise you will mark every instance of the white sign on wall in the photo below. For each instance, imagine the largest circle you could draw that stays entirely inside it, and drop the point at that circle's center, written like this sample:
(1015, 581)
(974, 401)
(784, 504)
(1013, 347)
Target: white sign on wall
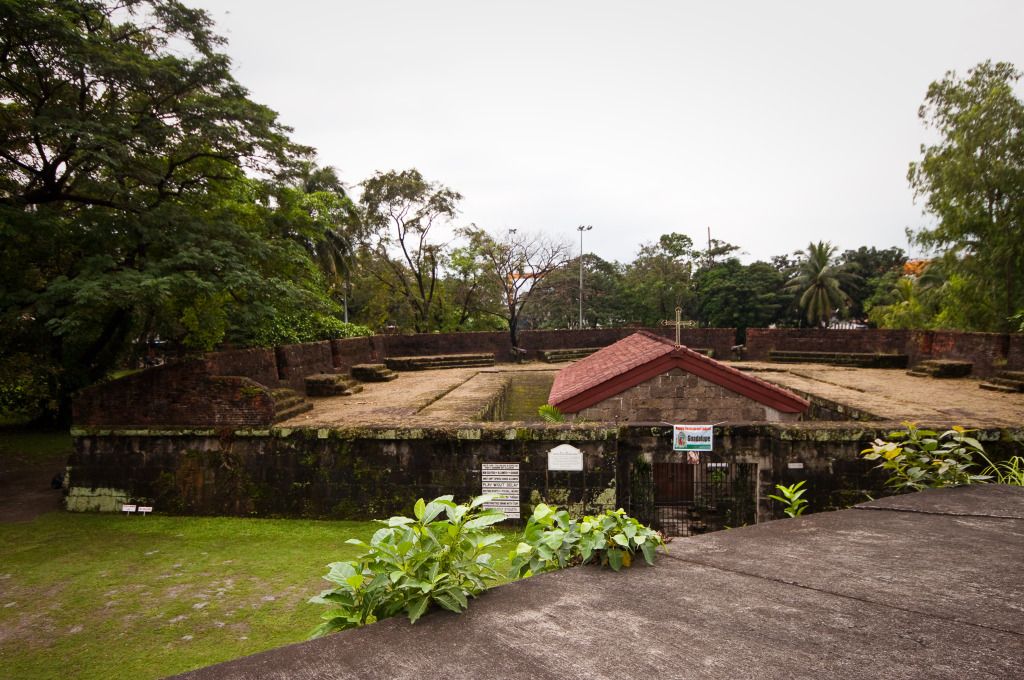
(565, 457)
(693, 437)
(503, 479)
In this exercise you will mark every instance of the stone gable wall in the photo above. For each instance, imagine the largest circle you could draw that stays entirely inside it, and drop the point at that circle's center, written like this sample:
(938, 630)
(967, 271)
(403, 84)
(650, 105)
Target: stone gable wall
(681, 397)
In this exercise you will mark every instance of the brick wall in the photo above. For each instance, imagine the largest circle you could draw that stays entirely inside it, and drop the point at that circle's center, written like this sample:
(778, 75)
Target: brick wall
(680, 397)
(761, 341)
(295, 362)
(990, 352)
(258, 364)
(174, 395)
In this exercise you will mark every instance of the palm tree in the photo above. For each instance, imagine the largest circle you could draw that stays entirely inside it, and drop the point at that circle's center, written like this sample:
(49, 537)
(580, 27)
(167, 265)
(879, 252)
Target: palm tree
(819, 282)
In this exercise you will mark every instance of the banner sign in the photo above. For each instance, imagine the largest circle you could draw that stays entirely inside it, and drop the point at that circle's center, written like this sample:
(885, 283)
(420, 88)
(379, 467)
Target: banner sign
(502, 478)
(693, 437)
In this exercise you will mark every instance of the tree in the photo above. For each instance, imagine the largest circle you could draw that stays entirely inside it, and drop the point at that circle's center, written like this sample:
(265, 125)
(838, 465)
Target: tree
(730, 294)
(557, 295)
(129, 163)
(515, 264)
(401, 209)
(972, 181)
(870, 265)
(659, 279)
(819, 282)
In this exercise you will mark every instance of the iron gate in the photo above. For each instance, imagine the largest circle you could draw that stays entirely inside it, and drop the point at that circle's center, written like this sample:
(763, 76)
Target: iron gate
(707, 496)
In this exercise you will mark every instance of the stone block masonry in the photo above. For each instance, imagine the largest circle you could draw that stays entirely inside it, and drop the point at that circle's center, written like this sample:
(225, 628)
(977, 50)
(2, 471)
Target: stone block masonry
(680, 397)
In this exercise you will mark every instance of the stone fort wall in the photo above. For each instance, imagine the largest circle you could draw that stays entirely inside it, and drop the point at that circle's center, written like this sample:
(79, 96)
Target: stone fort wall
(185, 394)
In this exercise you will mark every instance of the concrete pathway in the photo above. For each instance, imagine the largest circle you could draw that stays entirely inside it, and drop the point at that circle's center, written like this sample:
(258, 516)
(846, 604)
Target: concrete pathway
(920, 586)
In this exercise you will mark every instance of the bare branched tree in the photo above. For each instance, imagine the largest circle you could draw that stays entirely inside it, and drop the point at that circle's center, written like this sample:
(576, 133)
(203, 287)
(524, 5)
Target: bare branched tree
(515, 263)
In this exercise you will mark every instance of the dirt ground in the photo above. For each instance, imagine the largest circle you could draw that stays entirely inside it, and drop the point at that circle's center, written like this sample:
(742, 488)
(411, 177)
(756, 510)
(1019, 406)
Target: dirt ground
(424, 398)
(891, 394)
(415, 399)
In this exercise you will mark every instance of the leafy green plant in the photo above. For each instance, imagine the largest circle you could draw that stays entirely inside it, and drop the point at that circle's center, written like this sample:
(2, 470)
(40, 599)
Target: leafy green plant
(550, 414)
(440, 557)
(552, 540)
(920, 459)
(792, 497)
(1006, 472)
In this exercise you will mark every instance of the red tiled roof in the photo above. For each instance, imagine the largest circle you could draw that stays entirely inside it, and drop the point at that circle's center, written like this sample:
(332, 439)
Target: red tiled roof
(644, 355)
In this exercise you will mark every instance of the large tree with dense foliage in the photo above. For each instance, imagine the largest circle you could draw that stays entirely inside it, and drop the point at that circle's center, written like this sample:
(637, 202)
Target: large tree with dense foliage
(132, 167)
(972, 182)
(730, 294)
(659, 279)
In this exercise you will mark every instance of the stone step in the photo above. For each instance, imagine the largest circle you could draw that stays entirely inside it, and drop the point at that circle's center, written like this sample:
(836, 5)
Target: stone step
(860, 359)
(422, 363)
(292, 411)
(554, 356)
(1012, 375)
(994, 387)
(331, 385)
(372, 373)
(288, 401)
(945, 368)
(1011, 383)
(280, 393)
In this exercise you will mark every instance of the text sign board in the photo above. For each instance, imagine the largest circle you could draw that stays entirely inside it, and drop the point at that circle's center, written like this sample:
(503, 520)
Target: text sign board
(565, 457)
(693, 437)
(503, 479)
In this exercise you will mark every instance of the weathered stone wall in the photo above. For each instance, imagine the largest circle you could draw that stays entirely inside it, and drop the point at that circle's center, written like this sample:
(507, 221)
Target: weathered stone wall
(680, 397)
(990, 352)
(316, 473)
(361, 474)
(175, 395)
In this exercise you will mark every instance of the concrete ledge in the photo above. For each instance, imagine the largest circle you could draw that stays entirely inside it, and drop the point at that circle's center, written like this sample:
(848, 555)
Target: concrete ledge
(849, 594)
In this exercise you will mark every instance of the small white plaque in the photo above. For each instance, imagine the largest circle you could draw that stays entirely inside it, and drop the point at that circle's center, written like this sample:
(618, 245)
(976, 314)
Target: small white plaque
(795, 466)
(127, 508)
(145, 509)
(565, 457)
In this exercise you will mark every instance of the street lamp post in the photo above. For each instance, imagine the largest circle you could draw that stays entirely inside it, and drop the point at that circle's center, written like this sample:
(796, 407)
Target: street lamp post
(582, 228)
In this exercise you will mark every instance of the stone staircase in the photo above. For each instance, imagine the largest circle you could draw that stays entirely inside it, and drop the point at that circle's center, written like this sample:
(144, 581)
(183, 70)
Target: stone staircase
(557, 356)
(857, 359)
(331, 385)
(288, 403)
(372, 373)
(941, 368)
(439, 361)
(1005, 381)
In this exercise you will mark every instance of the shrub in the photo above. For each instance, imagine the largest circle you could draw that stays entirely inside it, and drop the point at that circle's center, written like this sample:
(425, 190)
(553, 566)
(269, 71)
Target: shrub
(792, 497)
(550, 414)
(920, 459)
(552, 540)
(437, 558)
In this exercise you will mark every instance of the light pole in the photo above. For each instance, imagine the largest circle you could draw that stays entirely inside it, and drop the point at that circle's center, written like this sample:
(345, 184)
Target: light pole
(582, 228)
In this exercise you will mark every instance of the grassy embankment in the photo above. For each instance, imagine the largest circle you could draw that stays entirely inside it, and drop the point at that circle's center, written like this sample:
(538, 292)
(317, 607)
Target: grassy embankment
(101, 596)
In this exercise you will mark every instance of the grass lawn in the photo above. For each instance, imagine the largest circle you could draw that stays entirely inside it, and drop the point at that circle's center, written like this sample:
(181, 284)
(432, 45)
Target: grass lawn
(101, 596)
(19, 447)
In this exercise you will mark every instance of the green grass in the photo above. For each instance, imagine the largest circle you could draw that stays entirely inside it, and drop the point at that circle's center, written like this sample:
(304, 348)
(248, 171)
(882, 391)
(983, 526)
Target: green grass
(145, 597)
(26, 447)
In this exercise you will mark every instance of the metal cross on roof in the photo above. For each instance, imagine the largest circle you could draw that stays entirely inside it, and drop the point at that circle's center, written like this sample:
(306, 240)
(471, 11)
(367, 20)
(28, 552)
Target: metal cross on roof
(678, 323)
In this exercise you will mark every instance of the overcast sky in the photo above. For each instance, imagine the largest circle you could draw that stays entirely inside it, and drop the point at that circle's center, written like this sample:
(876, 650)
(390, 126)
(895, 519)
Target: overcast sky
(772, 123)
